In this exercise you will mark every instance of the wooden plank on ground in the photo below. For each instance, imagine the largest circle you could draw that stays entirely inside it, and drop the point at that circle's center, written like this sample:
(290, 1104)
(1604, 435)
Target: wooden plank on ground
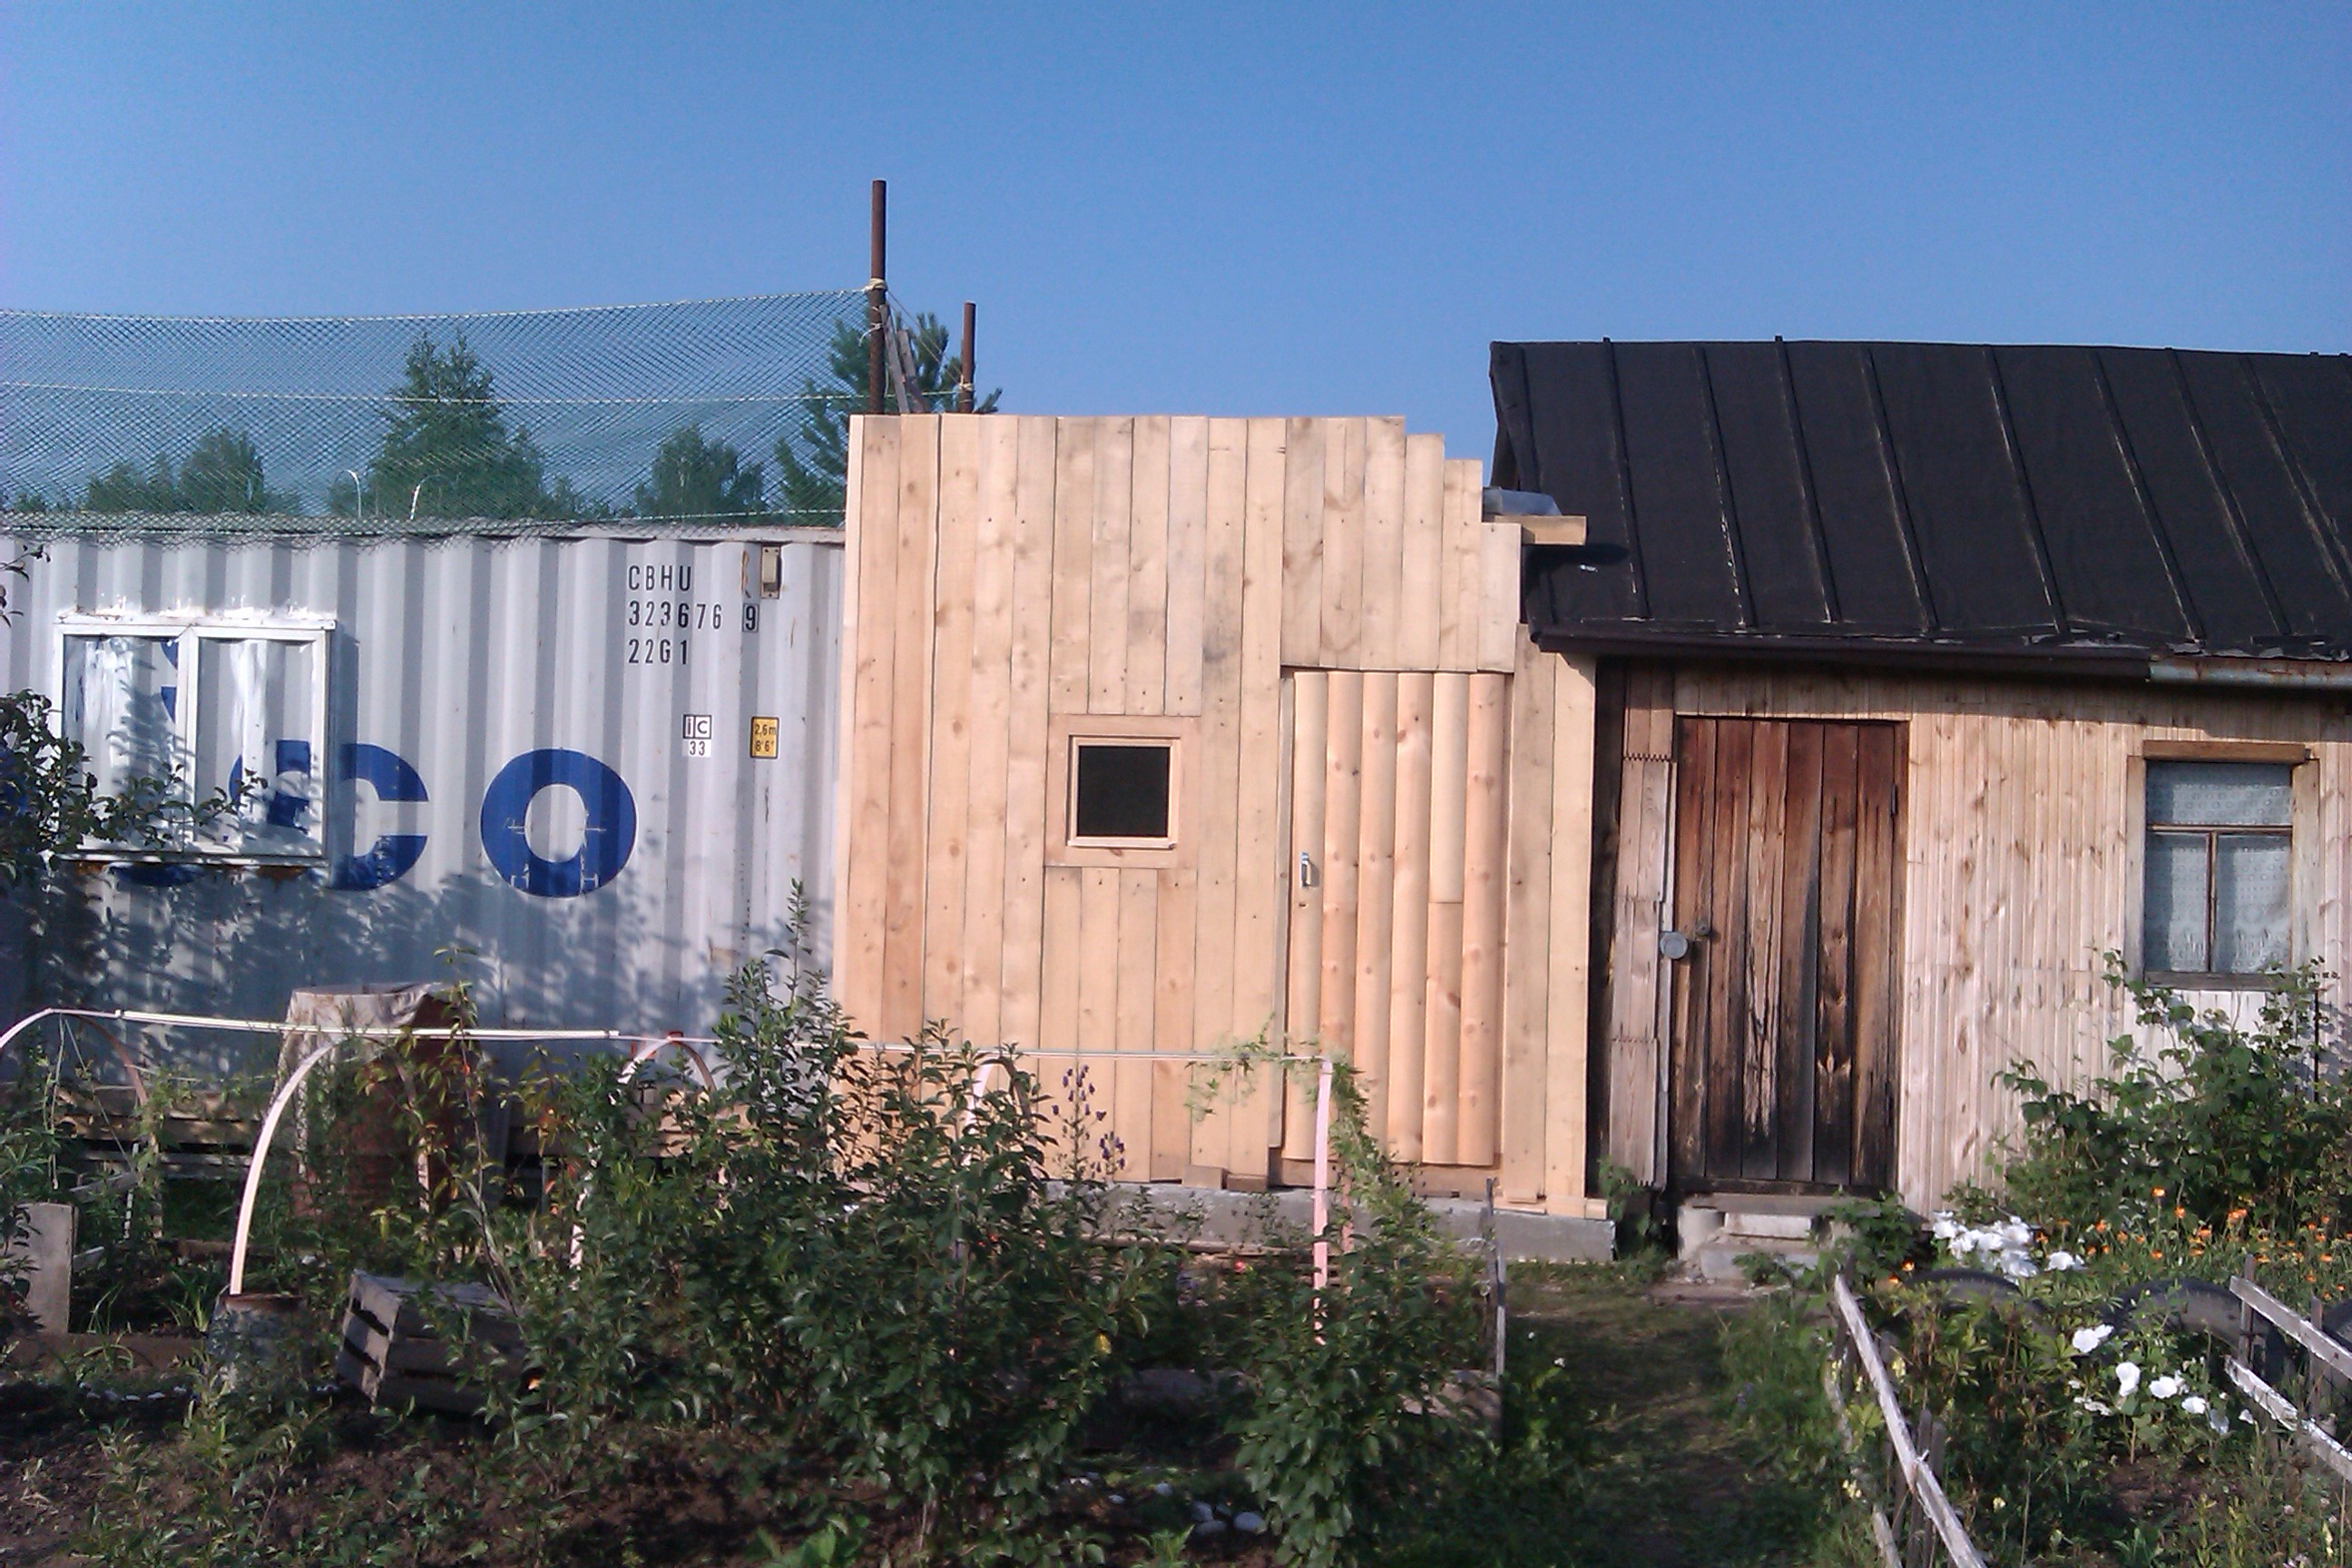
(1375, 893)
(1302, 538)
(910, 725)
(1069, 676)
(1028, 679)
(1485, 871)
(1110, 542)
(1187, 503)
(1409, 917)
(946, 826)
(1527, 951)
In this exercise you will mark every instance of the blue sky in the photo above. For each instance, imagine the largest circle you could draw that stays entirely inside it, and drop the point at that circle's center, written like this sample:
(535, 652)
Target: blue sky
(1222, 209)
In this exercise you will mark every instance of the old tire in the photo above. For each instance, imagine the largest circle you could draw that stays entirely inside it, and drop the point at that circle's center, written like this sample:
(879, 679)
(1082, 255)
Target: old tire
(2199, 1307)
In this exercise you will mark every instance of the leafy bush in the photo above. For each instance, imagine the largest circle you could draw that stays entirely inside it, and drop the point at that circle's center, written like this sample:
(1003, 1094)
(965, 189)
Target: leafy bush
(2219, 1120)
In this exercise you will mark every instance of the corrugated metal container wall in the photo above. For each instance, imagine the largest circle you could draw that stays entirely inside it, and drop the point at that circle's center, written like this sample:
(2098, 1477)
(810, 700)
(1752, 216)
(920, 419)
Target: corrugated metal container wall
(684, 689)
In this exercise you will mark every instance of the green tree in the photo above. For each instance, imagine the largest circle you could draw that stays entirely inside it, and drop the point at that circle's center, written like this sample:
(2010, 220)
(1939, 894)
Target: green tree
(448, 451)
(812, 463)
(695, 478)
(222, 473)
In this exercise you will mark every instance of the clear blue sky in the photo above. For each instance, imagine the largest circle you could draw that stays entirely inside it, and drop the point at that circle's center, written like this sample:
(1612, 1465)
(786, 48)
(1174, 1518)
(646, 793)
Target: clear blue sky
(1225, 209)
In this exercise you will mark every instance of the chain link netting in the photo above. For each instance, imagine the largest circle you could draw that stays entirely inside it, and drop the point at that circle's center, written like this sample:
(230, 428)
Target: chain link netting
(706, 412)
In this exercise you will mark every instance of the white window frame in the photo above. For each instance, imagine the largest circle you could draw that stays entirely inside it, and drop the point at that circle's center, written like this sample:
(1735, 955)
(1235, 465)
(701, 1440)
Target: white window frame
(194, 633)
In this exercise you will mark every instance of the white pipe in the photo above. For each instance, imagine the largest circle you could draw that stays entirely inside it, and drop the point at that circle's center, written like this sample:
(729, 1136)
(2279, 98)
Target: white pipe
(261, 1152)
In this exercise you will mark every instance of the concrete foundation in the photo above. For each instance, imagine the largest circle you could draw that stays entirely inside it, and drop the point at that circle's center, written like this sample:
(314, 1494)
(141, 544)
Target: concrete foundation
(1216, 1215)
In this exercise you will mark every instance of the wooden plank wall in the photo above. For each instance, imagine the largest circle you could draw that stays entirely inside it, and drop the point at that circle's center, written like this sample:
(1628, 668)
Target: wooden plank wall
(2021, 864)
(1315, 613)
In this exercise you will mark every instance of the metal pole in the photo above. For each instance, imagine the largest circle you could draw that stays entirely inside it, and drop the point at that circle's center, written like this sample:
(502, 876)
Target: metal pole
(877, 305)
(963, 387)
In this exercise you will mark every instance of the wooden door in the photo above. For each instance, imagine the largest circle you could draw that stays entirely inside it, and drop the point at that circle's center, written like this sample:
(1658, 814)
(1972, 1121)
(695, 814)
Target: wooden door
(1398, 870)
(1787, 885)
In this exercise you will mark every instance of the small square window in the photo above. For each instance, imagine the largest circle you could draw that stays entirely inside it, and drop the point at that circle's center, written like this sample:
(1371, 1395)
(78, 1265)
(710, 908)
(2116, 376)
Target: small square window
(1119, 791)
(2216, 898)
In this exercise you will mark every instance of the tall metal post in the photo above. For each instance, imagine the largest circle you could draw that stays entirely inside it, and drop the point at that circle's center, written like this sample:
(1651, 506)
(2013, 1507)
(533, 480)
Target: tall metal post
(964, 382)
(877, 305)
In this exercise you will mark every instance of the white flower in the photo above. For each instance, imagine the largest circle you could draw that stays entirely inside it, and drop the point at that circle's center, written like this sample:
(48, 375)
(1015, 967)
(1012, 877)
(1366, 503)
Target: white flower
(2163, 1387)
(1946, 1226)
(2128, 1376)
(2062, 1261)
(2014, 1232)
(2091, 1339)
(2192, 1406)
(2018, 1265)
(2094, 1406)
(1964, 1243)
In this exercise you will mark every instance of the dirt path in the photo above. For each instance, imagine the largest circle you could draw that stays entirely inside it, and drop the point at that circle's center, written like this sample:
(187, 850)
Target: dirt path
(1662, 1477)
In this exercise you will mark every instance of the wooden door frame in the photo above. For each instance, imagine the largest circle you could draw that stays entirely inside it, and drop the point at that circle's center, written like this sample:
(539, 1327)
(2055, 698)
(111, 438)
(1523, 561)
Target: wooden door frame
(1675, 974)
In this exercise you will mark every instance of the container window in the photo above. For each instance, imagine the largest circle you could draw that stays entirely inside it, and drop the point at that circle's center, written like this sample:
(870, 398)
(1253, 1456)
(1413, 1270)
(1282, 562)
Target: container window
(1119, 791)
(213, 713)
(2216, 900)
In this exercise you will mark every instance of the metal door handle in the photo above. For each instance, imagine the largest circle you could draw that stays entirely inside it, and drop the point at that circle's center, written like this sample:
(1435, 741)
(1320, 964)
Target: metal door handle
(1306, 870)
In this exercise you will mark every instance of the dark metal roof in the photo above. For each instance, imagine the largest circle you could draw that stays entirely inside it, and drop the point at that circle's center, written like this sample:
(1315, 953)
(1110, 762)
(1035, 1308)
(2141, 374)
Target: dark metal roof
(1977, 504)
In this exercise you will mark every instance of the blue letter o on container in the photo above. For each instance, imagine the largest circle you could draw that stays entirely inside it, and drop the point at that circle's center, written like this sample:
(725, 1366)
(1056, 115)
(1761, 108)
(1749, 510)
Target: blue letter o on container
(604, 845)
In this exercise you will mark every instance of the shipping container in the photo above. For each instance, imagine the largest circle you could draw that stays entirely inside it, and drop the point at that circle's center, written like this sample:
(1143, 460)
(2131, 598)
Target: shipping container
(589, 769)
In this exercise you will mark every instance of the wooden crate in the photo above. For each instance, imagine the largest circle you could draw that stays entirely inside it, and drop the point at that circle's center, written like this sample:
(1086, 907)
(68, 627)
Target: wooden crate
(392, 1351)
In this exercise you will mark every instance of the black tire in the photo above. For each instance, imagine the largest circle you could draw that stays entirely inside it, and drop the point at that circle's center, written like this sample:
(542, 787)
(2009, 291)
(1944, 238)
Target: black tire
(2200, 1307)
(1977, 1288)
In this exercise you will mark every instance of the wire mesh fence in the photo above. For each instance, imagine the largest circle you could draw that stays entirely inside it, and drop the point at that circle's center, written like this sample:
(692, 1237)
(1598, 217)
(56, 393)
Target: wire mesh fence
(709, 412)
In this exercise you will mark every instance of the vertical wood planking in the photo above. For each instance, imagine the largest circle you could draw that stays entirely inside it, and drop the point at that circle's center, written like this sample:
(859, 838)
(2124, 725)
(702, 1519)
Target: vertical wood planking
(1527, 942)
(1833, 1008)
(1383, 544)
(1499, 632)
(1334, 973)
(911, 717)
(1441, 1086)
(1171, 1023)
(1069, 676)
(1423, 548)
(1723, 1035)
(1343, 542)
(947, 826)
(1463, 575)
(1028, 677)
(1139, 976)
(1259, 879)
(1146, 576)
(1486, 872)
(1111, 543)
(1057, 1024)
(859, 956)
(1689, 1087)
(1215, 782)
(1310, 693)
(1877, 890)
(1409, 920)
(1646, 817)
(1759, 1007)
(1301, 501)
(1099, 982)
(986, 796)
(1375, 893)
(1574, 701)
(1188, 504)
(1798, 985)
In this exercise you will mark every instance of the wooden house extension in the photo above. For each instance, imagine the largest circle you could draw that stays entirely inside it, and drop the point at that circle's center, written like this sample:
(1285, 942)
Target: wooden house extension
(1164, 734)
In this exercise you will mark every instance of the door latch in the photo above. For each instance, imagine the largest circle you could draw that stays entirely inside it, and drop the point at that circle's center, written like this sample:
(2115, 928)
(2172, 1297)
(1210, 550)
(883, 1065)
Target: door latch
(1306, 870)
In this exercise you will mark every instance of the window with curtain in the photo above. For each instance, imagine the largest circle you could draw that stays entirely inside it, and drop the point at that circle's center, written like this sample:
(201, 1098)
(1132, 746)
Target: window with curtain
(2218, 897)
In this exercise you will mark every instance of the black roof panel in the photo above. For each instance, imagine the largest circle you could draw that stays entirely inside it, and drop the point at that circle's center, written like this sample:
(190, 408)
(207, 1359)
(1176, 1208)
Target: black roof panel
(1968, 497)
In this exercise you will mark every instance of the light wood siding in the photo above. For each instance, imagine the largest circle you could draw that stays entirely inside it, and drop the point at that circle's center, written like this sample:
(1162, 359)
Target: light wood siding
(2018, 864)
(1314, 614)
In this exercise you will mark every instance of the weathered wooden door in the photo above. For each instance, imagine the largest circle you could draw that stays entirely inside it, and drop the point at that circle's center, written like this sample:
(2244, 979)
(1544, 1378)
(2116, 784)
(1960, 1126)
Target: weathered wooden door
(1788, 888)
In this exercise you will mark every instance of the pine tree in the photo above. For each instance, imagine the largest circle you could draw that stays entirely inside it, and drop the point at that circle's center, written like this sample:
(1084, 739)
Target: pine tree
(695, 478)
(446, 451)
(813, 464)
